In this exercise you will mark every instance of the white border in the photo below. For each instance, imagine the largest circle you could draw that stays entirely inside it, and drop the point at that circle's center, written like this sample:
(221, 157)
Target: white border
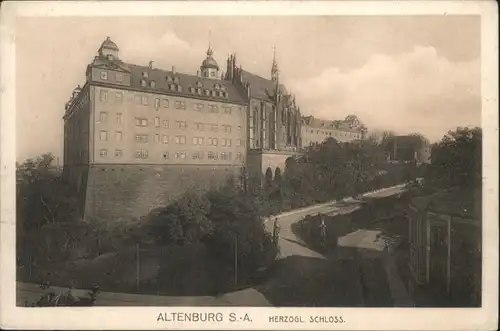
(484, 318)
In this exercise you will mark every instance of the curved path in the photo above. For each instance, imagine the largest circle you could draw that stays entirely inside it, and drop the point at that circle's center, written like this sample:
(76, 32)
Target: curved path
(345, 277)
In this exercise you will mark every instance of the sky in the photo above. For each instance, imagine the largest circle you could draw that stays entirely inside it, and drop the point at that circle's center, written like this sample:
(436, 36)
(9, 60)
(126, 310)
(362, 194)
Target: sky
(400, 73)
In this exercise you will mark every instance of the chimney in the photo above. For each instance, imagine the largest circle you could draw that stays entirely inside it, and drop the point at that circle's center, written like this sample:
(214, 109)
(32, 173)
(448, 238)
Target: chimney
(150, 64)
(173, 70)
(198, 73)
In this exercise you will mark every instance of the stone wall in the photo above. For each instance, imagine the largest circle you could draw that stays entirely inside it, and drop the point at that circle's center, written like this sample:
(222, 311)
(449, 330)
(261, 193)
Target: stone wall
(131, 191)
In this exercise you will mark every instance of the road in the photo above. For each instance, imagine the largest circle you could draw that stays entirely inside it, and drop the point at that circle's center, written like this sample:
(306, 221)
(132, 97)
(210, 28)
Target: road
(358, 273)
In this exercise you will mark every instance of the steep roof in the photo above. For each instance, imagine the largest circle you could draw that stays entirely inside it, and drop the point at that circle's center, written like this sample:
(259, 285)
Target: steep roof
(464, 202)
(162, 85)
(260, 87)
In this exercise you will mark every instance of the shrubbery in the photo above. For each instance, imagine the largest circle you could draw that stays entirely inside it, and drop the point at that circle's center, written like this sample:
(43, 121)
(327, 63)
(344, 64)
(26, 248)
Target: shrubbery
(332, 170)
(226, 220)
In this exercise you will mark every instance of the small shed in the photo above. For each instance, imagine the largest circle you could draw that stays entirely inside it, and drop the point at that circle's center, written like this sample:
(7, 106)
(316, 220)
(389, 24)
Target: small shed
(445, 231)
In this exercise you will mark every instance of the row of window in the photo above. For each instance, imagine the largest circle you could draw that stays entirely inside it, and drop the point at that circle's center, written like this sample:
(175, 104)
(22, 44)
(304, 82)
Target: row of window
(118, 77)
(143, 122)
(180, 140)
(179, 104)
(197, 155)
(338, 134)
(169, 78)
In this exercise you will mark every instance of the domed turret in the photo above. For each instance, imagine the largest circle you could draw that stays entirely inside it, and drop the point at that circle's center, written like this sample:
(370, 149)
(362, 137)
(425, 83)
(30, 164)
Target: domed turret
(209, 67)
(109, 49)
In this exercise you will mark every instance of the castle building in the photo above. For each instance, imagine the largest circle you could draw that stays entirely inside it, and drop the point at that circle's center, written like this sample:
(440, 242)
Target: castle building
(315, 130)
(273, 119)
(136, 137)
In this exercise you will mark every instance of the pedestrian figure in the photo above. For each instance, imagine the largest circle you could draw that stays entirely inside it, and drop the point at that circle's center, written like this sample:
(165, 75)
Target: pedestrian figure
(323, 232)
(275, 229)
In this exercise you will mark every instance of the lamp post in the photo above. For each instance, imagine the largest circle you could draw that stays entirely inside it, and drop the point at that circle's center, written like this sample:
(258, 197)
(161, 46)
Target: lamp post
(235, 259)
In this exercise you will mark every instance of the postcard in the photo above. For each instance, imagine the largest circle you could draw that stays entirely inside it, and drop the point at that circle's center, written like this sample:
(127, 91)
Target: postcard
(327, 165)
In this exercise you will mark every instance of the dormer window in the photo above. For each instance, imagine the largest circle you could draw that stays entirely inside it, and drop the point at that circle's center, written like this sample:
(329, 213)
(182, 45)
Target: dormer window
(172, 87)
(207, 92)
(145, 74)
(191, 89)
(216, 86)
(199, 84)
(169, 79)
(226, 95)
(104, 75)
(152, 84)
(198, 90)
(119, 78)
(179, 88)
(223, 88)
(176, 80)
(221, 94)
(214, 93)
(143, 83)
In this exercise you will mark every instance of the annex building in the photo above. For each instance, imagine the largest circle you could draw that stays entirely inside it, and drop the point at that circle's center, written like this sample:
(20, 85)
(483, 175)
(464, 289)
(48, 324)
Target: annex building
(137, 136)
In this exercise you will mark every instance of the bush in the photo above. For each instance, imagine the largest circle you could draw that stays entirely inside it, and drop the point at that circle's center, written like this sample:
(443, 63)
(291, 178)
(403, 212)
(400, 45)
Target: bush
(182, 222)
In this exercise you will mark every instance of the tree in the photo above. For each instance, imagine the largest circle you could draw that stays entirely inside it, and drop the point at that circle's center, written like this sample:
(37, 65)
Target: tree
(184, 221)
(457, 159)
(237, 222)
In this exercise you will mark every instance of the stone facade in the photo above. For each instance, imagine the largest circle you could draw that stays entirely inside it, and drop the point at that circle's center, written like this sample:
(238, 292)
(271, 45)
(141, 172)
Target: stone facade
(124, 191)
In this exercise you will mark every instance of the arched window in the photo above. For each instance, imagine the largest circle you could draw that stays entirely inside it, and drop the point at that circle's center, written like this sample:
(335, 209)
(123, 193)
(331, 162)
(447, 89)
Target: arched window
(152, 84)
(143, 83)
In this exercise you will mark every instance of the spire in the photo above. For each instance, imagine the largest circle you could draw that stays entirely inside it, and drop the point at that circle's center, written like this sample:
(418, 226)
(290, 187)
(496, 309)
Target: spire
(274, 68)
(209, 50)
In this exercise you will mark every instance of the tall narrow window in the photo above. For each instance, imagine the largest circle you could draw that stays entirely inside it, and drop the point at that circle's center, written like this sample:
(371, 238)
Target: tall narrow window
(157, 122)
(157, 138)
(118, 153)
(118, 136)
(165, 139)
(157, 103)
(104, 135)
(164, 123)
(104, 95)
(118, 118)
(166, 103)
(144, 100)
(119, 97)
(103, 117)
